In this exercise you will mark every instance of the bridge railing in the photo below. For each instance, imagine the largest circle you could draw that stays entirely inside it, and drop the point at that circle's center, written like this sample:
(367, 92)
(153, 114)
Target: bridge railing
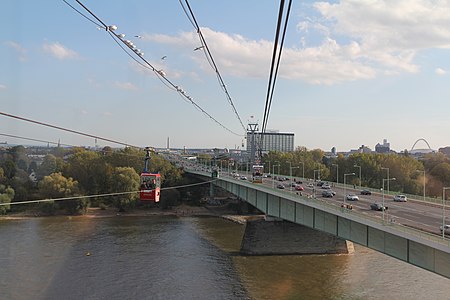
(389, 224)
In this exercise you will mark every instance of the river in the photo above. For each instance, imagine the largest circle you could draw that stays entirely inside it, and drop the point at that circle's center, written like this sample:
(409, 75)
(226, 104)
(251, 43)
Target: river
(167, 257)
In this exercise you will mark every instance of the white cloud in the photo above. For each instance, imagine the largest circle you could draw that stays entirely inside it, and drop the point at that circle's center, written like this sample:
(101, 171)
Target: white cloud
(440, 71)
(21, 51)
(329, 63)
(125, 86)
(2, 87)
(354, 39)
(59, 51)
(390, 33)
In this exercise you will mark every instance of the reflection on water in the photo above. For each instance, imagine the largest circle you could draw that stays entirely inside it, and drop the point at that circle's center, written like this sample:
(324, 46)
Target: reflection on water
(186, 258)
(366, 274)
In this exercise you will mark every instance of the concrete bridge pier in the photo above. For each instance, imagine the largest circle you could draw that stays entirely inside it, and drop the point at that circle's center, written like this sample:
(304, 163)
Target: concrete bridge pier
(273, 236)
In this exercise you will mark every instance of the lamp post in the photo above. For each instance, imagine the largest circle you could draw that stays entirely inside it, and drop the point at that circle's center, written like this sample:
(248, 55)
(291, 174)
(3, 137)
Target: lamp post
(423, 182)
(315, 174)
(385, 179)
(273, 177)
(443, 211)
(337, 173)
(356, 166)
(290, 172)
(303, 170)
(314, 186)
(345, 187)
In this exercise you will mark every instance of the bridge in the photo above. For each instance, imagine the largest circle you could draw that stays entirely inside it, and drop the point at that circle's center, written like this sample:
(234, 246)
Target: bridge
(401, 240)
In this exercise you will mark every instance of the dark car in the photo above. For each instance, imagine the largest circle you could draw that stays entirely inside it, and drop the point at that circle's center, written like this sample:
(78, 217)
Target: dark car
(327, 194)
(377, 206)
(366, 192)
(281, 187)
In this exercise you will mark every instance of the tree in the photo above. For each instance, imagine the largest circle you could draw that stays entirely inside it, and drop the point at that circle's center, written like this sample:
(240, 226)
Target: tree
(6, 196)
(125, 179)
(57, 186)
(90, 170)
(49, 165)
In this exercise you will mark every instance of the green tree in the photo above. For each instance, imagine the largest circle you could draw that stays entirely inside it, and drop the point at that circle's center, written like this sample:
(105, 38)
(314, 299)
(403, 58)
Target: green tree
(50, 164)
(57, 186)
(6, 196)
(125, 179)
(90, 170)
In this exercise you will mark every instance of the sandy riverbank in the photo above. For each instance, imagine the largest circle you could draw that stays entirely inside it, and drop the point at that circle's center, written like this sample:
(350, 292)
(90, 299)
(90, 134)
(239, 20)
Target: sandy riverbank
(182, 210)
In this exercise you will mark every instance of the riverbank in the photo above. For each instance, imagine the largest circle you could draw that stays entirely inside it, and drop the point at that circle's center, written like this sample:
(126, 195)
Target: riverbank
(181, 210)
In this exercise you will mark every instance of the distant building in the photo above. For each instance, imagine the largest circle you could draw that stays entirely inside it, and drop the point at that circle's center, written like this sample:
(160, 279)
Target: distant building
(333, 151)
(364, 149)
(383, 148)
(445, 150)
(273, 141)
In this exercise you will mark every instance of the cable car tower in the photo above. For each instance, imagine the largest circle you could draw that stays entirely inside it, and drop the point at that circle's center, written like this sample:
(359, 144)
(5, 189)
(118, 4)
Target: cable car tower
(255, 155)
(150, 183)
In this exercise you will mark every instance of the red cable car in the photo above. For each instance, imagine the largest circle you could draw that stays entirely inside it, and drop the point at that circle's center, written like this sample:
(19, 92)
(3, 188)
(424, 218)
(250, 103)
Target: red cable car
(150, 183)
(150, 187)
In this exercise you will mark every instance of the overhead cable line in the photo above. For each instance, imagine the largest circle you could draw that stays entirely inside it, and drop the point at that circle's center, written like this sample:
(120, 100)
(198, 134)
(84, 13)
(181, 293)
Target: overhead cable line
(210, 57)
(276, 56)
(99, 195)
(121, 37)
(68, 130)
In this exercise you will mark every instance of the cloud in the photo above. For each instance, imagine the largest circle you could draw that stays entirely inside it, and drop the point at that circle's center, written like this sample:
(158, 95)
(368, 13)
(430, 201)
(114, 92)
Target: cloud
(440, 71)
(2, 87)
(126, 86)
(21, 51)
(234, 54)
(345, 41)
(59, 51)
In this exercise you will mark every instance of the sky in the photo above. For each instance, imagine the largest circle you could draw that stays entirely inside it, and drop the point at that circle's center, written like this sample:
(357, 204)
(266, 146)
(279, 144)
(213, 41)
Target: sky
(352, 72)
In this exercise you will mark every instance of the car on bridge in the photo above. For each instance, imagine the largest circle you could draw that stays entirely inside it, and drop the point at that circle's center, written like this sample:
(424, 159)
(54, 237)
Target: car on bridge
(243, 177)
(347, 206)
(326, 186)
(446, 229)
(299, 188)
(366, 192)
(400, 198)
(352, 197)
(327, 194)
(281, 186)
(377, 206)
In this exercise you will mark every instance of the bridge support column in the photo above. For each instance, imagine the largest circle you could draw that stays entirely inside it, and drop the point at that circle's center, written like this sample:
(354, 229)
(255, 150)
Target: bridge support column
(264, 237)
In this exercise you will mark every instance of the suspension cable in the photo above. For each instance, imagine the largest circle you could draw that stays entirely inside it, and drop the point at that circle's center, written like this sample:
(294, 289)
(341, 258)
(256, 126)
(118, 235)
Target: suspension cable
(210, 58)
(111, 31)
(100, 195)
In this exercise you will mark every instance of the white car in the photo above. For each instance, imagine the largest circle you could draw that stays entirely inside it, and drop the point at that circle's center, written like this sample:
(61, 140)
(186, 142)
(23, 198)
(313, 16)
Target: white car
(352, 197)
(446, 229)
(400, 198)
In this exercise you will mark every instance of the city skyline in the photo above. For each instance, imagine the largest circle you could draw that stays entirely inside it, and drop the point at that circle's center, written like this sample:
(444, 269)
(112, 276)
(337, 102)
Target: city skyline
(340, 84)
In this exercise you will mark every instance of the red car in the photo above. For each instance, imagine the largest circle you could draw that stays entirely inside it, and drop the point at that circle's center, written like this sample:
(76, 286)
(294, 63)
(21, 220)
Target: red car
(299, 188)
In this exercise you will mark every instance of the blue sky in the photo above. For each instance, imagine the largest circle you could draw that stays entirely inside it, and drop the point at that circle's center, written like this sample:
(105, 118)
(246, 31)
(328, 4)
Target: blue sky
(352, 72)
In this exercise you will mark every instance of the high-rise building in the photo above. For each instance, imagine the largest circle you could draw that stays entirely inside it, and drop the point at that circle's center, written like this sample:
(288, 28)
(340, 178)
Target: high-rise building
(384, 148)
(272, 141)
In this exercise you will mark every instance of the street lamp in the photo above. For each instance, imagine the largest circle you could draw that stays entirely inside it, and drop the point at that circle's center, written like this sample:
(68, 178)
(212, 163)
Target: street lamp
(273, 177)
(345, 187)
(303, 170)
(423, 182)
(290, 172)
(385, 179)
(356, 166)
(315, 174)
(443, 211)
(337, 173)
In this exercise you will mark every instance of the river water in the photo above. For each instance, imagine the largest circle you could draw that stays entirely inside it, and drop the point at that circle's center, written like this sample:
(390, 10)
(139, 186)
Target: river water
(161, 257)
